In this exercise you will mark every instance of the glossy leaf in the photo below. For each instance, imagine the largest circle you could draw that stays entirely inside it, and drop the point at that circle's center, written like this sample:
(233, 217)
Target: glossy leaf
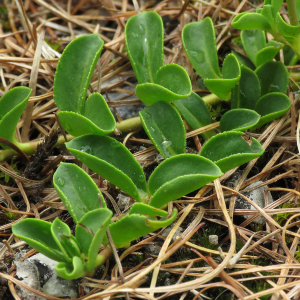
(239, 119)
(113, 161)
(171, 83)
(90, 232)
(96, 118)
(251, 21)
(199, 41)
(62, 234)
(165, 128)
(231, 149)
(253, 42)
(273, 77)
(77, 190)
(178, 176)
(12, 105)
(231, 76)
(140, 220)
(144, 35)
(74, 72)
(71, 271)
(195, 112)
(247, 92)
(37, 234)
(272, 106)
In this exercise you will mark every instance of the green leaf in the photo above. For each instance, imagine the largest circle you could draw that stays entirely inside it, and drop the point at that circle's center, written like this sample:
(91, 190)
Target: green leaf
(165, 128)
(231, 149)
(171, 83)
(76, 189)
(251, 21)
(12, 105)
(199, 41)
(272, 106)
(273, 77)
(243, 60)
(267, 54)
(253, 42)
(74, 72)
(37, 234)
(96, 119)
(239, 119)
(288, 31)
(247, 92)
(195, 112)
(140, 220)
(97, 110)
(231, 76)
(62, 235)
(113, 161)
(144, 37)
(178, 176)
(90, 231)
(290, 58)
(71, 271)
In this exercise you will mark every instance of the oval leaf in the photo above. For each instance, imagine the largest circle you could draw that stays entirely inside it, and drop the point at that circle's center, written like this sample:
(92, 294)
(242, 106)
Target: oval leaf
(273, 77)
(199, 41)
(12, 105)
(37, 234)
(77, 190)
(251, 21)
(74, 72)
(113, 161)
(268, 53)
(97, 110)
(253, 42)
(90, 231)
(195, 112)
(96, 118)
(171, 83)
(144, 36)
(165, 128)
(231, 76)
(272, 106)
(180, 175)
(239, 119)
(140, 220)
(247, 92)
(231, 149)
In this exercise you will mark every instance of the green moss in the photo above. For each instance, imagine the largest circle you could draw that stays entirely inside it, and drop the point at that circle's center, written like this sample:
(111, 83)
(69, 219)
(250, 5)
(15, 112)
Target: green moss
(4, 18)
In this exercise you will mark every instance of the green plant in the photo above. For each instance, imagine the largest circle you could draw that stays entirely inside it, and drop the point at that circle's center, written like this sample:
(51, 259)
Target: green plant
(78, 255)
(257, 97)
(73, 74)
(144, 37)
(269, 19)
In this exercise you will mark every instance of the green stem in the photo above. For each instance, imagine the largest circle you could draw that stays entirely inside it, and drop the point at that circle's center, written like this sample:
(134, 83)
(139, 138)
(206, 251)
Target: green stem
(129, 125)
(103, 256)
(291, 6)
(295, 76)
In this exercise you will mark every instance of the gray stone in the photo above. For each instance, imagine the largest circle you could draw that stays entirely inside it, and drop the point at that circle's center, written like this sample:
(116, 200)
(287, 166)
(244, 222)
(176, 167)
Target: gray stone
(213, 239)
(258, 197)
(123, 202)
(177, 233)
(39, 273)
